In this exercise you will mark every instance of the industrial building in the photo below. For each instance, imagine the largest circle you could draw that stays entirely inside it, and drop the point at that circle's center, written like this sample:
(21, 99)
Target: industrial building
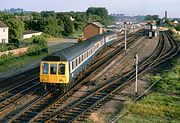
(93, 28)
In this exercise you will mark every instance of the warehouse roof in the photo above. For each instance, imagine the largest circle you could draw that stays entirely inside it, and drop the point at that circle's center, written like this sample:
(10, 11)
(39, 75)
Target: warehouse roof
(98, 24)
(2, 24)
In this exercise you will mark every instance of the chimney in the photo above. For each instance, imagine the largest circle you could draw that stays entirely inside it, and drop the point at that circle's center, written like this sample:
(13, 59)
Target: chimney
(165, 15)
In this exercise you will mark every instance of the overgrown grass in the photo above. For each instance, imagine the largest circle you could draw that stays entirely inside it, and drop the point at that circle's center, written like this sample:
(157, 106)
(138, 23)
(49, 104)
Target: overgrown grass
(162, 105)
(15, 62)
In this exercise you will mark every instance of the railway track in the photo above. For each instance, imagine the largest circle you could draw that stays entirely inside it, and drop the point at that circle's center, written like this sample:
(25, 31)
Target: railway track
(31, 110)
(172, 50)
(18, 79)
(60, 99)
(14, 95)
(80, 109)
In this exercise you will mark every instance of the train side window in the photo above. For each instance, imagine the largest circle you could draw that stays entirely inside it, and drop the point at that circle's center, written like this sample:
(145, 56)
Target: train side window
(86, 54)
(76, 62)
(61, 69)
(72, 65)
(53, 68)
(45, 68)
(82, 58)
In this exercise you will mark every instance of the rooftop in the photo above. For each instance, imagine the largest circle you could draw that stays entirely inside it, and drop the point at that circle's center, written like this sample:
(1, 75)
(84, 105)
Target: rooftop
(2, 24)
(29, 32)
(98, 24)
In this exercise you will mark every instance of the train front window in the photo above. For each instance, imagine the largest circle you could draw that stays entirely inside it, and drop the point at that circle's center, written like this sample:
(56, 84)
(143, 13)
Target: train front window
(61, 69)
(45, 67)
(53, 69)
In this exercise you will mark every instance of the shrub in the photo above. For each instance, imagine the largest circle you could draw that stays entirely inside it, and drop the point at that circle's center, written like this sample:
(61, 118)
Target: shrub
(177, 27)
(5, 58)
(39, 44)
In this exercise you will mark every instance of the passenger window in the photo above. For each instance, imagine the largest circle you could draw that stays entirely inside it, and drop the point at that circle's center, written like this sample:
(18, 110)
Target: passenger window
(82, 58)
(45, 68)
(76, 62)
(61, 69)
(89, 52)
(72, 65)
(53, 69)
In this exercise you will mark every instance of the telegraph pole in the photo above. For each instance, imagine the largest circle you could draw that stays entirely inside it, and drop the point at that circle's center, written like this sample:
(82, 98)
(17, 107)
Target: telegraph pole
(125, 36)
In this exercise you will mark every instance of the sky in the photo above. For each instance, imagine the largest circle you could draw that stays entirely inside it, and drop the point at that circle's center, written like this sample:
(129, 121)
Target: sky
(127, 7)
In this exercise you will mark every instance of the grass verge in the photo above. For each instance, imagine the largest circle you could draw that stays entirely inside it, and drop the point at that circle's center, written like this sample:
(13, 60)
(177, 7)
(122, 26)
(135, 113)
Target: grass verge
(16, 62)
(162, 105)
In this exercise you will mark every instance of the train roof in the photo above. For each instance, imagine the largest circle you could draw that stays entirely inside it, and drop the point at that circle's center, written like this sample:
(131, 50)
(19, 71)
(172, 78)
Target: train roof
(75, 50)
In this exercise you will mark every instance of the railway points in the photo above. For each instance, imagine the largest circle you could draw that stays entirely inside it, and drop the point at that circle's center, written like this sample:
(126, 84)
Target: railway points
(102, 90)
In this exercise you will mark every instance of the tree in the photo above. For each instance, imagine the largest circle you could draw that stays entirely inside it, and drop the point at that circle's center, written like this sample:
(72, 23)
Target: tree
(46, 14)
(152, 17)
(177, 27)
(39, 44)
(92, 18)
(51, 26)
(68, 24)
(16, 29)
(78, 26)
(101, 15)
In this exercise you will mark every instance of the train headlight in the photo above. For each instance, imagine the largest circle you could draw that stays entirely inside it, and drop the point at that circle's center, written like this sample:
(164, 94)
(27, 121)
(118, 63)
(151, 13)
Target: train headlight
(60, 80)
(44, 79)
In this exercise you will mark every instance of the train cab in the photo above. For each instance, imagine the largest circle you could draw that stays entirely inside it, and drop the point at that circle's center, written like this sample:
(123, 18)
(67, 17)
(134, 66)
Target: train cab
(54, 72)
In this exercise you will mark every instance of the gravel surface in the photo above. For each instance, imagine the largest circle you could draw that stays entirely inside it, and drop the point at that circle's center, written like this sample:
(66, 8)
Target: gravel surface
(117, 103)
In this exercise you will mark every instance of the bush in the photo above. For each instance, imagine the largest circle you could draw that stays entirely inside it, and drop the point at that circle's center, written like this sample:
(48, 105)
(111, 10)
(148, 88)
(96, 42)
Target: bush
(39, 45)
(6, 47)
(5, 58)
(177, 27)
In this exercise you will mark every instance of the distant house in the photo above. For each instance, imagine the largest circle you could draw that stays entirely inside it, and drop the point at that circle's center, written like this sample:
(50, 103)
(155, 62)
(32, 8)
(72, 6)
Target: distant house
(175, 22)
(30, 33)
(92, 29)
(3, 33)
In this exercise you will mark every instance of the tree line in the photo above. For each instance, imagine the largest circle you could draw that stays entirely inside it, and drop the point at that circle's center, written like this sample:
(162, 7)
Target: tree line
(52, 23)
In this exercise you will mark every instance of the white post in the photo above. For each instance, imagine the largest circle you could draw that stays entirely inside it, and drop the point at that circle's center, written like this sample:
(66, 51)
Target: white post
(125, 36)
(136, 83)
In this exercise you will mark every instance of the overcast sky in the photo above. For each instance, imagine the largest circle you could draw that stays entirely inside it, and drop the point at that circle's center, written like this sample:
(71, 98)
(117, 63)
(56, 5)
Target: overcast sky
(128, 7)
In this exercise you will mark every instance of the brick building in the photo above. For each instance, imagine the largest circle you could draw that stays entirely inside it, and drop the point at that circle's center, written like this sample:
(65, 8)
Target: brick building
(92, 29)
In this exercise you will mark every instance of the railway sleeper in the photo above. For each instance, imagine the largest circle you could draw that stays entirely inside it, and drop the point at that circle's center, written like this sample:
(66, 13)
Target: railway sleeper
(80, 107)
(56, 120)
(72, 114)
(92, 101)
(75, 111)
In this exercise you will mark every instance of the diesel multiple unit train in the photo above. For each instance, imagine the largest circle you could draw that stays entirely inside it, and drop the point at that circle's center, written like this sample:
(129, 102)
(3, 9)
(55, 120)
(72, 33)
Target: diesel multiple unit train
(60, 69)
